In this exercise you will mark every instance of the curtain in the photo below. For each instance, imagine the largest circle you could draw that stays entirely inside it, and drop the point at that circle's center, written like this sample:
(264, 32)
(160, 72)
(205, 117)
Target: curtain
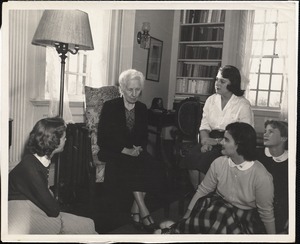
(287, 50)
(98, 58)
(245, 46)
(104, 59)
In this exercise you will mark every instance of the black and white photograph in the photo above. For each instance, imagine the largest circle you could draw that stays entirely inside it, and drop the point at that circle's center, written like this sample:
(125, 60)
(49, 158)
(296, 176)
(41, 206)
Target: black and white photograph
(145, 122)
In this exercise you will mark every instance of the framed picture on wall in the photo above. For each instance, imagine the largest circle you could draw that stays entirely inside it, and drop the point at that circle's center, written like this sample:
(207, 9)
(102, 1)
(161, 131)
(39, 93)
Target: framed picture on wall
(154, 59)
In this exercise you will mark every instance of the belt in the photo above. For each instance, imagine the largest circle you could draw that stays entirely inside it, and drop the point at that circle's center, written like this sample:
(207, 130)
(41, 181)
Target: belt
(216, 134)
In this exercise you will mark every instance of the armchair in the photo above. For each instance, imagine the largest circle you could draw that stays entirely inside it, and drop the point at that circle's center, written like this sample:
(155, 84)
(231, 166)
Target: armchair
(94, 100)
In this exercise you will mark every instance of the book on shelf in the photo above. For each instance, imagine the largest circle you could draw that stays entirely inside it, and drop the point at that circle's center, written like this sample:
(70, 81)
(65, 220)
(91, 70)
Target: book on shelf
(202, 33)
(194, 86)
(203, 16)
(182, 85)
(199, 52)
(191, 86)
(197, 70)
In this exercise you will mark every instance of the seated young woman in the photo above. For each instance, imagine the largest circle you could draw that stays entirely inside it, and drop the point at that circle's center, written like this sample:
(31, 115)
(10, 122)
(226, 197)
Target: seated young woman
(226, 106)
(32, 208)
(236, 195)
(275, 158)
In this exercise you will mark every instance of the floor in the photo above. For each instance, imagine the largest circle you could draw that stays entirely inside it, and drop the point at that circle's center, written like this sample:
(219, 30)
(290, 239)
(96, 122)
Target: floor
(111, 214)
(111, 211)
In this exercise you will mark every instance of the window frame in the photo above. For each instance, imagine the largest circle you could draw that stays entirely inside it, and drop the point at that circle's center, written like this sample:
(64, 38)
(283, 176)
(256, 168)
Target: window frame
(271, 74)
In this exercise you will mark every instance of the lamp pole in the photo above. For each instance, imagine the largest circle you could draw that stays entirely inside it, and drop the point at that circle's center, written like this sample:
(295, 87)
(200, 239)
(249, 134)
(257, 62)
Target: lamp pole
(51, 31)
(62, 49)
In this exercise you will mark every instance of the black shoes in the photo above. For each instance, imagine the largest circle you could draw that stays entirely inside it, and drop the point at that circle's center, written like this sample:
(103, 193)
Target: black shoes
(150, 228)
(137, 224)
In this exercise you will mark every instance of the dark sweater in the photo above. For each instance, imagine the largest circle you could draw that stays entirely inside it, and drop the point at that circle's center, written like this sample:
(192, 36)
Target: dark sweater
(113, 134)
(279, 171)
(29, 181)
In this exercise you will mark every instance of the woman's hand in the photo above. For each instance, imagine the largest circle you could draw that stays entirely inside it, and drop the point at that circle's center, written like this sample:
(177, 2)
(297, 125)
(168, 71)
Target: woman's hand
(134, 152)
(208, 143)
(206, 148)
(138, 148)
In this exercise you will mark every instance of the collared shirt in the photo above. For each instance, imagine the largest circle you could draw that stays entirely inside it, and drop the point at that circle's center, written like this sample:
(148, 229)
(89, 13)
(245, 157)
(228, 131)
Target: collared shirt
(283, 157)
(237, 109)
(246, 187)
(44, 161)
(243, 166)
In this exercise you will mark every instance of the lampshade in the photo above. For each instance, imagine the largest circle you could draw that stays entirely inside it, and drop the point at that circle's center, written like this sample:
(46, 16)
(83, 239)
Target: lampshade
(64, 26)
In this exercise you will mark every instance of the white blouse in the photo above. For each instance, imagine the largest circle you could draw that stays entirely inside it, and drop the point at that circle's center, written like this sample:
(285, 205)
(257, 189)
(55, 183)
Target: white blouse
(237, 109)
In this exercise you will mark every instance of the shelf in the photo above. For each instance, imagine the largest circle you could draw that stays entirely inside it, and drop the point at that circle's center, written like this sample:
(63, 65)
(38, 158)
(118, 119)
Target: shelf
(211, 24)
(201, 43)
(195, 78)
(201, 61)
(191, 94)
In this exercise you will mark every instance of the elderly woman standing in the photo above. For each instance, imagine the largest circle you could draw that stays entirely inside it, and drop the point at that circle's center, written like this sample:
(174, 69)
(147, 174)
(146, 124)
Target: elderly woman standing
(32, 208)
(122, 138)
(226, 106)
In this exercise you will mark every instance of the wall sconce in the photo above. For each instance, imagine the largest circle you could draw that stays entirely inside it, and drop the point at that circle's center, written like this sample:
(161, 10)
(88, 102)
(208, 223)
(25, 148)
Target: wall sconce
(144, 38)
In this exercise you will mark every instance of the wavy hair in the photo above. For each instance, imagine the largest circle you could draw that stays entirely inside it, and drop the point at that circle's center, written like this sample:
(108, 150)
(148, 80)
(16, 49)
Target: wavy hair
(233, 74)
(45, 136)
(282, 126)
(244, 136)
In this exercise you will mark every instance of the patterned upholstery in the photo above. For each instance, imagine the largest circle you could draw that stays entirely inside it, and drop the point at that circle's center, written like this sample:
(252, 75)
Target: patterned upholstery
(94, 99)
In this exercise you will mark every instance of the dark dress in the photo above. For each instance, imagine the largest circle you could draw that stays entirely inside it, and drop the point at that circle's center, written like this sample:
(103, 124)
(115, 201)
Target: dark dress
(141, 173)
(279, 171)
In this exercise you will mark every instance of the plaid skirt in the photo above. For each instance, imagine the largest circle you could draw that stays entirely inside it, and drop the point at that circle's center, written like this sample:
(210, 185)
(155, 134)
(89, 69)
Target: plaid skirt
(213, 215)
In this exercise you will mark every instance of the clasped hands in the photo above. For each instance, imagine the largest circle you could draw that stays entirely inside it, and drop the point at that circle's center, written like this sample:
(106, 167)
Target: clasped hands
(134, 152)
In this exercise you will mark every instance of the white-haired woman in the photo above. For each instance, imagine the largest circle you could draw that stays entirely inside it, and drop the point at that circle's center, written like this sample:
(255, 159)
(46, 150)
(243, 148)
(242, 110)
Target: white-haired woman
(122, 138)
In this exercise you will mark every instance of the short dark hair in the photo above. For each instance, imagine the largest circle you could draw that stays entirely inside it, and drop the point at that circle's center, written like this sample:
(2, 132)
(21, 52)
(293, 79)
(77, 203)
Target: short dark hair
(233, 74)
(244, 136)
(282, 126)
(45, 136)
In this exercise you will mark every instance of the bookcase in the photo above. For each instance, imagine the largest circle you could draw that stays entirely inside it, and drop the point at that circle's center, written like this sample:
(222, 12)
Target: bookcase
(200, 48)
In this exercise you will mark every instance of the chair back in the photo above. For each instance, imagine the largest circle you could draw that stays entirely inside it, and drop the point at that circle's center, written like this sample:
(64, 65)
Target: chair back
(94, 100)
(188, 118)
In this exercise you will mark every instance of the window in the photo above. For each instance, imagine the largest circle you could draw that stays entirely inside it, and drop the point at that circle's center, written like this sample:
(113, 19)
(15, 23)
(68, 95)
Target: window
(267, 59)
(77, 73)
(84, 68)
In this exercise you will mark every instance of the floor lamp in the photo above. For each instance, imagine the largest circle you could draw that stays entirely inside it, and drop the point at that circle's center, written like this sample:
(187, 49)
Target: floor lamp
(67, 31)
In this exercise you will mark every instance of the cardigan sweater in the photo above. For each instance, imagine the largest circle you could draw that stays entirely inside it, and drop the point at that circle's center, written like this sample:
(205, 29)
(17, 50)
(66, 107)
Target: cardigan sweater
(29, 181)
(246, 189)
